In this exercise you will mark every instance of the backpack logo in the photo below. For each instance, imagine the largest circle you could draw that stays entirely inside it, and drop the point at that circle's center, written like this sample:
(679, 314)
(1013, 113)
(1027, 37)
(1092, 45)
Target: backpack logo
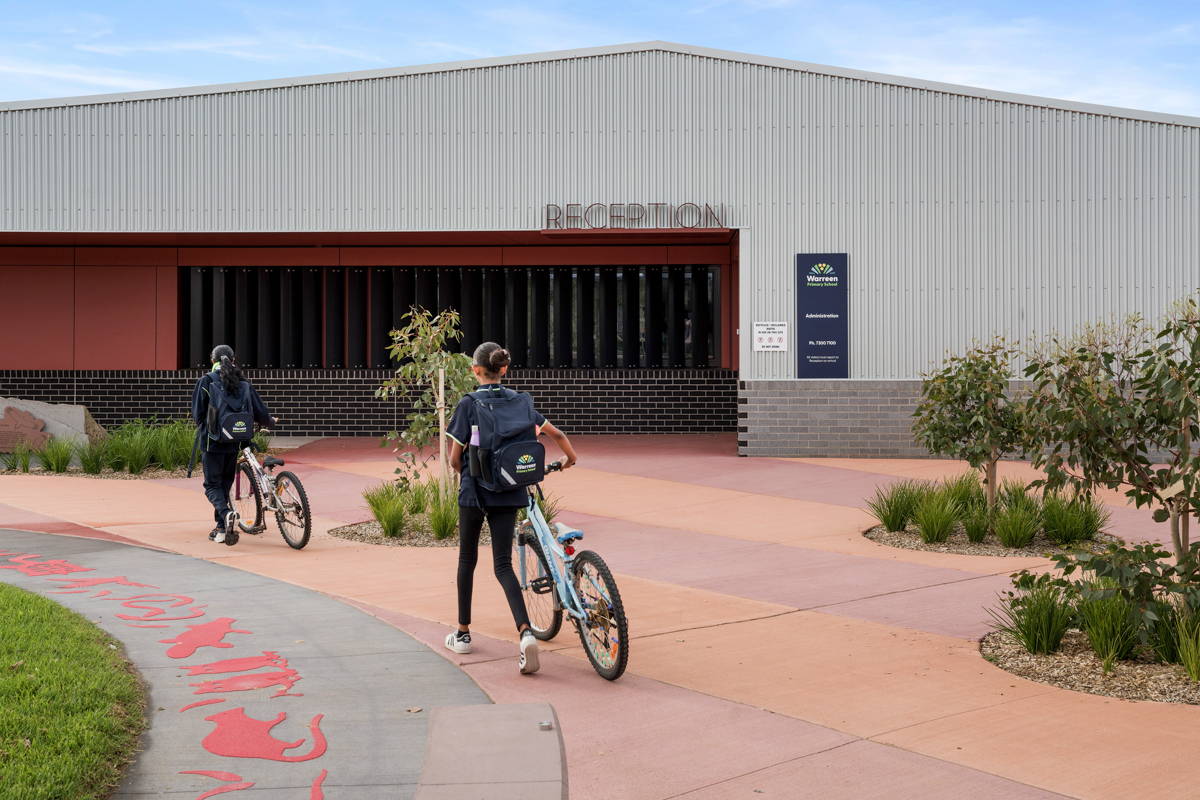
(526, 463)
(239, 426)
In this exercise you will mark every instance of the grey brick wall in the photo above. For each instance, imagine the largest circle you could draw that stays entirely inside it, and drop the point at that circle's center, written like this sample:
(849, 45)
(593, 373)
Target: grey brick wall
(828, 418)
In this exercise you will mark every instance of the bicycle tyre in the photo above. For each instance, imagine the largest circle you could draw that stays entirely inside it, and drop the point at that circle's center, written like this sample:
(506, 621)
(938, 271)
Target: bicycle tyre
(246, 498)
(294, 516)
(607, 624)
(545, 614)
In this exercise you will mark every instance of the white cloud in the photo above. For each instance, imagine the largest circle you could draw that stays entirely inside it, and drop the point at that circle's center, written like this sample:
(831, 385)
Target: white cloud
(74, 75)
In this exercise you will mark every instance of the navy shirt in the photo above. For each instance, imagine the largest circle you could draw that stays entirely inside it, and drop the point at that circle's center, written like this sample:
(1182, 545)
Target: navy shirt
(459, 430)
(200, 397)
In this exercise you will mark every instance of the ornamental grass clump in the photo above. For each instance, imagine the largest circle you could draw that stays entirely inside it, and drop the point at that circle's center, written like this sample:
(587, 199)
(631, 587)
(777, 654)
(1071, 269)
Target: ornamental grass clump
(172, 443)
(894, 505)
(1038, 617)
(936, 517)
(977, 523)
(132, 448)
(1164, 631)
(386, 502)
(57, 453)
(1016, 525)
(443, 510)
(966, 491)
(1111, 628)
(1187, 637)
(417, 497)
(19, 458)
(93, 456)
(1064, 521)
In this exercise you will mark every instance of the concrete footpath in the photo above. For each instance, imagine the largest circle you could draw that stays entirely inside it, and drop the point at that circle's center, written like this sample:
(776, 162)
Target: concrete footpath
(775, 650)
(253, 683)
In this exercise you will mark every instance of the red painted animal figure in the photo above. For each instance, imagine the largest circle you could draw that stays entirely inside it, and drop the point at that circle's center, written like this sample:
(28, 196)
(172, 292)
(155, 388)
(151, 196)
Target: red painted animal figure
(267, 659)
(255, 680)
(240, 736)
(209, 634)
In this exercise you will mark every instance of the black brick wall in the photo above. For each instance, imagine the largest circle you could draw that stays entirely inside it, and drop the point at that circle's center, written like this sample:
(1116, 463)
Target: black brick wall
(343, 403)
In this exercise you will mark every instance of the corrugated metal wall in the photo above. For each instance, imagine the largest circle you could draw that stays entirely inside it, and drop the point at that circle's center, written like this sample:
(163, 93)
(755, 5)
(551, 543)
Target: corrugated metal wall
(962, 216)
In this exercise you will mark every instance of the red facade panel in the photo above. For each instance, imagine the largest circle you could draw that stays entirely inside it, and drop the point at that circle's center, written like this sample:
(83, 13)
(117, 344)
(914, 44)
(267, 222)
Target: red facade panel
(587, 255)
(697, 254)
(126, 256)
(36, 317)
(166, 339)
(421, 256)
(115, 309)
(258, 256)
(37, 256)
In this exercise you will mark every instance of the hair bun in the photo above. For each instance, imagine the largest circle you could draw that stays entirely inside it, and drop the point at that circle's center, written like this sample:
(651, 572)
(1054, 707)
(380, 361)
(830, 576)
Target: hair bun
(499, 358)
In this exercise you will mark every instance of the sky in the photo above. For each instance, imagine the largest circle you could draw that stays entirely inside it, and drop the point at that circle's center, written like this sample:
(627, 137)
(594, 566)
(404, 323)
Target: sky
(1143, 55)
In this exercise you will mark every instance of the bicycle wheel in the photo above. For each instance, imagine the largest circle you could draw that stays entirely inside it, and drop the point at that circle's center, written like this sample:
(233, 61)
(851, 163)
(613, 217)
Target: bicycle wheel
(545, 615)
(293, 516)
(605, 631)
(246, 499)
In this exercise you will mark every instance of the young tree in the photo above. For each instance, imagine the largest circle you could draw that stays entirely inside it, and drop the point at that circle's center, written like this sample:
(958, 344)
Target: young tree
(422, 347)
(967, 411)
(1113, 400)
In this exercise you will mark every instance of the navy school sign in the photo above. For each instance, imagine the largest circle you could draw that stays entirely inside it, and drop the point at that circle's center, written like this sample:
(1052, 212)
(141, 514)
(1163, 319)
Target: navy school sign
(822, 304)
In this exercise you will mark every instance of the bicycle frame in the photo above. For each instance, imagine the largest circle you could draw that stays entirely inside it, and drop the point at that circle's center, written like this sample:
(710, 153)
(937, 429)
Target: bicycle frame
(266, 481)
(556, 559)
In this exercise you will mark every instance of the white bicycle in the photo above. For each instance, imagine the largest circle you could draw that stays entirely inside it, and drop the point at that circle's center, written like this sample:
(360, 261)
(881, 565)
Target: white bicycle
(257, 489)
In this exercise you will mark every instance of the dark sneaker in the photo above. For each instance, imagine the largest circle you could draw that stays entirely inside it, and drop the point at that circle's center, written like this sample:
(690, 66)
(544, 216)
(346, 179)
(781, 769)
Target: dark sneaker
(459, 642)
(529, 653)
(217, 534)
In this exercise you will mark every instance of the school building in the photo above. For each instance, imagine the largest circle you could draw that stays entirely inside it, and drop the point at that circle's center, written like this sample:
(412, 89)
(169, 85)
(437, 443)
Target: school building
(668, 238)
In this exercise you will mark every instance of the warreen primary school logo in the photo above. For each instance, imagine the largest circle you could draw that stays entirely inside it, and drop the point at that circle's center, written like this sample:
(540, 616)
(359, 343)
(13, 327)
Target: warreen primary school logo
(526, 463)
(525, 459)
(822, 275)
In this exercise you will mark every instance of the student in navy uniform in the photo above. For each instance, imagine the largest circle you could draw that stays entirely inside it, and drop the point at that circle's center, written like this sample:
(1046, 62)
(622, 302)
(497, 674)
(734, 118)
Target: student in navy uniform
(219, 458)
(500, 509)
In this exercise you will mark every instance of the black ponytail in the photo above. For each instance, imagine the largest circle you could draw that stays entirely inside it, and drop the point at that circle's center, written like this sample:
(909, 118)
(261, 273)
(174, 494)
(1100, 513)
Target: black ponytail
(231, 376)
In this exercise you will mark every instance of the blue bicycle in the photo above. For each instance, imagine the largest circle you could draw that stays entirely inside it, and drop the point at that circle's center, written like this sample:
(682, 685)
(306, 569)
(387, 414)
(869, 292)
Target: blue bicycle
(579, 583)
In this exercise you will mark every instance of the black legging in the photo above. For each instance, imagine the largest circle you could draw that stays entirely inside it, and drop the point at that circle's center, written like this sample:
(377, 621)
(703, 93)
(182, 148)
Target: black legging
(502, 522)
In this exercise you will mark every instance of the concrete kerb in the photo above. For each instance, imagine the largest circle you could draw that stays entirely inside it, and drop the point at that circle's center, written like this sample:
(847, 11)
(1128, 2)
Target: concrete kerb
(227, 656)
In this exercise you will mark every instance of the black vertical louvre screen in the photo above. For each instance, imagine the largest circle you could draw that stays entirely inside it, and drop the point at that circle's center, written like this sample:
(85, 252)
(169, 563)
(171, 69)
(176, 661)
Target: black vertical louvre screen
(579, 317)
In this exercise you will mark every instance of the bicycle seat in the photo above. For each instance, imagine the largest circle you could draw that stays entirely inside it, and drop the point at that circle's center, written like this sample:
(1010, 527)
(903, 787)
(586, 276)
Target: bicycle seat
(272, 461)
(564, 533)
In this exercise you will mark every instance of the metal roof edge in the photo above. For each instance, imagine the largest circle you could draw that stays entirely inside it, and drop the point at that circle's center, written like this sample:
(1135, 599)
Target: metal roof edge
(619, 49)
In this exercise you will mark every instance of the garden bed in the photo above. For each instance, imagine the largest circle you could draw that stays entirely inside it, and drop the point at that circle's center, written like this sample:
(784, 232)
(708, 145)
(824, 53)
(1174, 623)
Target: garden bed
(1075, 667)
(419, 535)
(910, 539)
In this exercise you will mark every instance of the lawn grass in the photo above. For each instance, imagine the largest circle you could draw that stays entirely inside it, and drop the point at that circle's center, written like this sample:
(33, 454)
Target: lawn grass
(71, 708)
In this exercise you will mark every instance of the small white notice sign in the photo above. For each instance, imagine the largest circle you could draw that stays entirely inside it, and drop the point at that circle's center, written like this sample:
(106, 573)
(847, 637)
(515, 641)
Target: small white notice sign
(770, 336)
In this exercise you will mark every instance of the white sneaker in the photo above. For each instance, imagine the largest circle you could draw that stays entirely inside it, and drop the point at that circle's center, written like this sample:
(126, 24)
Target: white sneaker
(459, 642)
(529, 653)
(217, 535)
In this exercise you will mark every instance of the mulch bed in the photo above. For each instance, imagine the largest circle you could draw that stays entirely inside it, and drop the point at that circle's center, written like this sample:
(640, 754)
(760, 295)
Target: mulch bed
(1077, 668)
(416, 534)
(152, 474)
(910, 539)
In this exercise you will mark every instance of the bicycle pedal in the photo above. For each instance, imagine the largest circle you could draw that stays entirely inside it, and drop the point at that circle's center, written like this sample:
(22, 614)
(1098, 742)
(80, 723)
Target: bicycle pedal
(542, 585)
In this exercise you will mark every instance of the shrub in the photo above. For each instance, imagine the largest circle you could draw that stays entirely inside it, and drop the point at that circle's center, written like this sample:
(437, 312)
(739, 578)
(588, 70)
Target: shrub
(894, 505)
(1017, 525)
(93, 456)
(1187, 636)
(977, 523)
(936, 516)
(1111, 628)
(386, 502)
(443, 510)
(1064, 521)
(1037, 617)
(56, 455)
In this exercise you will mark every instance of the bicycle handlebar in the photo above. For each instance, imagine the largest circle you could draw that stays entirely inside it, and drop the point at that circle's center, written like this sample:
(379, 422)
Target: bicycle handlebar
(555, 466)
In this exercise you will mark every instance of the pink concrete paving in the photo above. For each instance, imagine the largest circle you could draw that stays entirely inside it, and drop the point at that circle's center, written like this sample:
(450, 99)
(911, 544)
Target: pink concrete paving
(775, 649)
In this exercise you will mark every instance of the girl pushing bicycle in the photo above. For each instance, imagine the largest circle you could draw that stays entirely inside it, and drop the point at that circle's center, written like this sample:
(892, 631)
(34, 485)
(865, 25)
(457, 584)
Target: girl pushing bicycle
(225, 407)
(499, 508)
